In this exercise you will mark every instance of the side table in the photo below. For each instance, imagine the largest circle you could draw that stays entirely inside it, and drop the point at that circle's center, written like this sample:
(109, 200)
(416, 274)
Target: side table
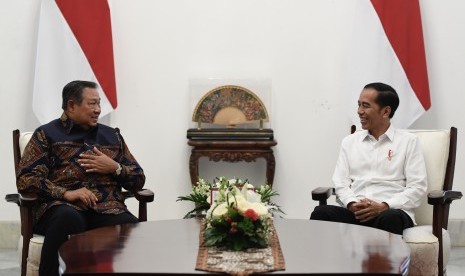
(231, 151)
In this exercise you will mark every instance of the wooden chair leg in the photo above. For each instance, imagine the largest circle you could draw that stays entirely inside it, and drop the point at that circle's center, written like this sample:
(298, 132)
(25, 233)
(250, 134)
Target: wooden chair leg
(26, 232)
(24, 255)
(437, 231)
(142, 211)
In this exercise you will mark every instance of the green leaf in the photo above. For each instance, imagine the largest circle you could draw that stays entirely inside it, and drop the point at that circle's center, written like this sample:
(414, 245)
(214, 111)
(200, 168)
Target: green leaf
(195, 212)
(214, 237)
(246, 226)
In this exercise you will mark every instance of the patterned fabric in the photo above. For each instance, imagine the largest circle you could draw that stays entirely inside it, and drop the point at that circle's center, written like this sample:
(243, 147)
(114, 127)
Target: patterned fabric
(252, 260)
(49, 166)
(424, 249)
(33, 259)
(424, 258)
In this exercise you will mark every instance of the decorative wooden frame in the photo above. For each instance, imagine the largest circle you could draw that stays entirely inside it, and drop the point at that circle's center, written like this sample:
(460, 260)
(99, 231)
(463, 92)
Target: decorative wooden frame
(239, 105)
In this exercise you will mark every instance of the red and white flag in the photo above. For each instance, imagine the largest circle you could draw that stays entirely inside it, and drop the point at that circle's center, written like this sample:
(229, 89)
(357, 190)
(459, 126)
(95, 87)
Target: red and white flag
(74, 43)
(388, 47)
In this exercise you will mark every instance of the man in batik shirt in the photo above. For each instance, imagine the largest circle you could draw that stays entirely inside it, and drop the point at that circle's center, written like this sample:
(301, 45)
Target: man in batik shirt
(77, 168)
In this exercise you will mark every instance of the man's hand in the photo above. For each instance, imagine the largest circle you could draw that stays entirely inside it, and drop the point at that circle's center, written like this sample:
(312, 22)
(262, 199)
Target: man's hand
(357, 206)
(81, 196)
(98, 162)
(367, 209)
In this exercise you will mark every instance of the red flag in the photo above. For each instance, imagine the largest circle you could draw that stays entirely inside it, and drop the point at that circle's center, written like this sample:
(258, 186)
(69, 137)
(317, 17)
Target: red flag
(74, 42)
(389, 47)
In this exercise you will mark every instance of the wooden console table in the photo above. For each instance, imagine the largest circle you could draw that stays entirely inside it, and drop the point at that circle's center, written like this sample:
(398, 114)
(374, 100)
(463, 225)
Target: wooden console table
(232, 151)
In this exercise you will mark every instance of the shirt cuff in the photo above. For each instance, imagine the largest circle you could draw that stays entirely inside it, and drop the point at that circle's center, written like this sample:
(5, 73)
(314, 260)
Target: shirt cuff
(58, 192)
(346, 201)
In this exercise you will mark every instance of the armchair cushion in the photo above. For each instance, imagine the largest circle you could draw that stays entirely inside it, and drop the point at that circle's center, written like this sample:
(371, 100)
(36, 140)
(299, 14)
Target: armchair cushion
(419, 234)
(424, 259)
(435, 147)
(424, 249)
(23, 140)
(33, 259)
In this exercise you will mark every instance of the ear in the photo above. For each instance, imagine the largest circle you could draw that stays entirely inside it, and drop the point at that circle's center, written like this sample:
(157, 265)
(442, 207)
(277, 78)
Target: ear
(71, 105)
(386, 112)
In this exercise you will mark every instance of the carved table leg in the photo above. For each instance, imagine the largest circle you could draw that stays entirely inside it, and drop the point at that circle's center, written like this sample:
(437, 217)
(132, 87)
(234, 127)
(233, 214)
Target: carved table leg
(270, 166)
(194, 167)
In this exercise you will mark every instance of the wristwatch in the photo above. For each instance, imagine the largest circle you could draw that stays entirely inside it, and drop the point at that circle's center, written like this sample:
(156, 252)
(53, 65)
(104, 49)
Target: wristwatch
(119, 169)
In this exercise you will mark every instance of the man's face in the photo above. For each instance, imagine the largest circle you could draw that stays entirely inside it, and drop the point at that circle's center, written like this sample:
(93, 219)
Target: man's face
(87, 112)
(372, 116)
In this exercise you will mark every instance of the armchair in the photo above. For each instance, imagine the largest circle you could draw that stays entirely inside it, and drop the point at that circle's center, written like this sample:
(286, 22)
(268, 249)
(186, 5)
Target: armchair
(31, 243)
(429, 240)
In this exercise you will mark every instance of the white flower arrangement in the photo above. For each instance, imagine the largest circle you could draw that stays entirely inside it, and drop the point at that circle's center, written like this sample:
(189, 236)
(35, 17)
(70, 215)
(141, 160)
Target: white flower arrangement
(206, 195)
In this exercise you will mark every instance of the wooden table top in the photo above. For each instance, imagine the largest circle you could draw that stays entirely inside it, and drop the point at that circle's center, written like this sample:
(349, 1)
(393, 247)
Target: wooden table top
(171, 246)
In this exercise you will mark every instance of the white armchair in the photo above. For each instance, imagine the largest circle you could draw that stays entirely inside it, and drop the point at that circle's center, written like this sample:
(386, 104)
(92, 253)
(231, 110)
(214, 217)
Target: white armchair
(429, 240)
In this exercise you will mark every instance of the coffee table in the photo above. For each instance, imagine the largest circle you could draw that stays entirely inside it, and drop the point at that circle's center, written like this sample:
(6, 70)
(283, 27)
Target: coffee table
(170, 246)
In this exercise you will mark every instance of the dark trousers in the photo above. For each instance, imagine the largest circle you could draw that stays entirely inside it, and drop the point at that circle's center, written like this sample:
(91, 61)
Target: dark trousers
(391, 220)
(61, 221)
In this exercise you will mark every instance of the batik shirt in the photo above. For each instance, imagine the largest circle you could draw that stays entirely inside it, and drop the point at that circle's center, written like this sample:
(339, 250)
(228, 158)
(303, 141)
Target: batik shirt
(49, 166)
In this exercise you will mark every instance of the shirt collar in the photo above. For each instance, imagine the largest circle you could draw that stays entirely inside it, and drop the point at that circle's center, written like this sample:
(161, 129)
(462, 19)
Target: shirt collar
(68, 124)
(389, 134)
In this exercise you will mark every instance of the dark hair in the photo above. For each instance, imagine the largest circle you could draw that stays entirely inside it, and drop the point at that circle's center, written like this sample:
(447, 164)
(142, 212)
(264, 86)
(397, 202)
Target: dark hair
(73, 91)
(387, 96)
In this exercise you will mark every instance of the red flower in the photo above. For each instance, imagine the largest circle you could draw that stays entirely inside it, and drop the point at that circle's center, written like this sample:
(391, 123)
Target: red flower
(233, 229)
(251, 214)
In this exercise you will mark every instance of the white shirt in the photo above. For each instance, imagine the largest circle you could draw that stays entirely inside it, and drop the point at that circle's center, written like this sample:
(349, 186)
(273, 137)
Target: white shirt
(390, 169)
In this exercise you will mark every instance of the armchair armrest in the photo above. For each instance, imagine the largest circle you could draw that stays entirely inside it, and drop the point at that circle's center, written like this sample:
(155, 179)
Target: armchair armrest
(443, 197)
(441, 201)
(22, 199)
(143, 196)
(322, 194)
(12, 198)
(25, 202)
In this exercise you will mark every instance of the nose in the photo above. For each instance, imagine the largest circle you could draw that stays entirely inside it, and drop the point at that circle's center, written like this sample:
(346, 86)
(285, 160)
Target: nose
(97, 109)
(360, 110)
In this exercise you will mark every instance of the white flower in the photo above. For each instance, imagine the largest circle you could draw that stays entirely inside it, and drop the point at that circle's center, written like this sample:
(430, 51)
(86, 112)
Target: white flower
(220, 210)
(202, 188)
(249, 194)
(248, 186)
(242, 204)
(251, 202)
(259, 207)
(234, 192)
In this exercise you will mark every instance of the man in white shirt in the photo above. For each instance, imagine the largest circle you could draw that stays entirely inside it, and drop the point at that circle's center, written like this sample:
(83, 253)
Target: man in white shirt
(380, 176)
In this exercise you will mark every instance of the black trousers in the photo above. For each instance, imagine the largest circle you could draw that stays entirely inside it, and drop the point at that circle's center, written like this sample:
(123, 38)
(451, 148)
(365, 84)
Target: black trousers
(61, 221)
(391, 220)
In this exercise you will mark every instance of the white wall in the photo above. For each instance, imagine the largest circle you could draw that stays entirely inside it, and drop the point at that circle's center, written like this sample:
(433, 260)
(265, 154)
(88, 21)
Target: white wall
(297, 44)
